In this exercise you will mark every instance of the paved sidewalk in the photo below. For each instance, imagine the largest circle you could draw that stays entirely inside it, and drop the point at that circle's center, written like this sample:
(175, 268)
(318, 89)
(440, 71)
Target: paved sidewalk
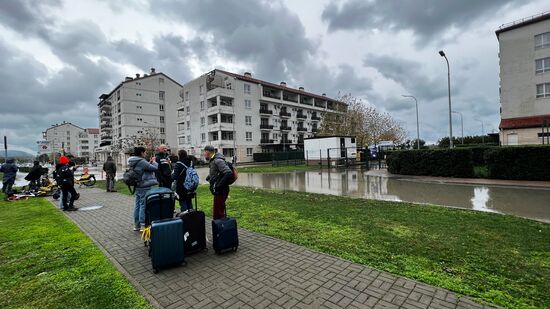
(264, 273)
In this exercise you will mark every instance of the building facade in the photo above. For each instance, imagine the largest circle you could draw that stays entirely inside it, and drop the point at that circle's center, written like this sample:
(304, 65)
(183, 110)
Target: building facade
(71, 139)
(138, 109)
(524, 80)
(240, 115)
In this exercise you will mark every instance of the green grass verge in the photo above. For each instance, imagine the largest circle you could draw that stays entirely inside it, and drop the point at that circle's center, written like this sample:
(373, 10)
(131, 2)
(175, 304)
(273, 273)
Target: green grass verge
(500, 259)
(277, 169)
(47, 262)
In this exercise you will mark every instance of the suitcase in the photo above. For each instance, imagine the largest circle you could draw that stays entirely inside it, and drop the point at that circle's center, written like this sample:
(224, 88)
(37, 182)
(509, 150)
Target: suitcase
(224, 234)
(194, 230)
(159, 204)
(166, 246)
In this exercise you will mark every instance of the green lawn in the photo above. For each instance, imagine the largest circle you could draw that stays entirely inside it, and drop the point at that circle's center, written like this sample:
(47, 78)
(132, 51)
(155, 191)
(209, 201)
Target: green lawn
(499, 259)
(47, 262)
(277, 169)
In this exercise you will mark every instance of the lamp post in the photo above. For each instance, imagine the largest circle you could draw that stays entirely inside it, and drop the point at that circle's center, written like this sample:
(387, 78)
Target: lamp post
(442, 54)
(482, 132)
(461, 125)
(417, 125)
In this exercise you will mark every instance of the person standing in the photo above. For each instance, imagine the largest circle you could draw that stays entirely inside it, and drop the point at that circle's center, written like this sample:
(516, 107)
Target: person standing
(65, 179)
(146, 175)
(109, 167)
(164, 172)
(218, 177)
(10, 171)
(179, 174)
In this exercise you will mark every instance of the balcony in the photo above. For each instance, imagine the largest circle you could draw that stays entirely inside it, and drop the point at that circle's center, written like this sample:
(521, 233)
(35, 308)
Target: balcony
(217, 126)
(285, 128)
(302, 129)
(302, 116)
(266, 111)
(314, 130)
(266, 141)
(266, 127)
(315, 117)
(271, 94)
(106, 114)
(284, 114)
(106, 126)
(222, 92)
(224, 109)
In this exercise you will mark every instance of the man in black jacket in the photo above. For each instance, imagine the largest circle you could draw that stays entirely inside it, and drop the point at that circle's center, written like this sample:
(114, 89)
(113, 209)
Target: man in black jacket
(109, 167)
(164, 172)
(219, 177)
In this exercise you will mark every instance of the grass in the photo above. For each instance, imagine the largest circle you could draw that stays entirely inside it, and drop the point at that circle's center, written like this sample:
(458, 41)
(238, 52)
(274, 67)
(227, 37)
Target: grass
(277, 169)
(481, 171)
(47, 262)
(500, 259)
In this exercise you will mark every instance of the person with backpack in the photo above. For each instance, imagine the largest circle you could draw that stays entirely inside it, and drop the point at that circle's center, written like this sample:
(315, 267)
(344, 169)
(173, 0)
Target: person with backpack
(185, 180)
(10, 172)
(109, 167)
(64, 176)
(143, 177)
(219, 177)
(164, 171)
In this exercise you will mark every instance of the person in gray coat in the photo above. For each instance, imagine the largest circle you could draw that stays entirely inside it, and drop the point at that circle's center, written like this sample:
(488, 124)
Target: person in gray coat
(218, 177)
(146, 171)
(10, 171)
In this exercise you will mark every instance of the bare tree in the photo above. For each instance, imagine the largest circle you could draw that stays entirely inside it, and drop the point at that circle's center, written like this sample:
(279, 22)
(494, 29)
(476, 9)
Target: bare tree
(150, 139)
(366, 123)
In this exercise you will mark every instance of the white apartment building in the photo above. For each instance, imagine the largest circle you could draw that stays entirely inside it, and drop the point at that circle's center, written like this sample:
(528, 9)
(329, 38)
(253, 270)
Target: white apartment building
(238, 113)
(71, 139)
(524, 80)
(138, 107)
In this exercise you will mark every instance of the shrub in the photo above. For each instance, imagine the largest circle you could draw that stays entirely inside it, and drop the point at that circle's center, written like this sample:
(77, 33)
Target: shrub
(444, 162)
(520, 163)
(262, 156)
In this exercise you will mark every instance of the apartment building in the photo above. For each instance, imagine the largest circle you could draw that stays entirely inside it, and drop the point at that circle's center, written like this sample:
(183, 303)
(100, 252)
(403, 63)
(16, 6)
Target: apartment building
(71, 139)
(138, 108)
(241, 115)
(524, 80)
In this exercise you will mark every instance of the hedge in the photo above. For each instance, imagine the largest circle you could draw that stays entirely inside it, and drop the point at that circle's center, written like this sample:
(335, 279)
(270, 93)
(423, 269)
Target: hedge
(520, 163)
(262, 156)
(278, 156)
(431, 162)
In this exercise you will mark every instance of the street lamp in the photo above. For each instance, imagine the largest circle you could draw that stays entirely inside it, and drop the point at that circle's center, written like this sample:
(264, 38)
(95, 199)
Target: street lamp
(417, 126)
(442, 54)
(482, 131)
(461, 125)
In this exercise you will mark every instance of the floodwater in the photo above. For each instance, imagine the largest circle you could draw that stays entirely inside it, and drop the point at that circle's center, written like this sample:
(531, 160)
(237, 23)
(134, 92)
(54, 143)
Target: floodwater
(533, 203)
(530, 203)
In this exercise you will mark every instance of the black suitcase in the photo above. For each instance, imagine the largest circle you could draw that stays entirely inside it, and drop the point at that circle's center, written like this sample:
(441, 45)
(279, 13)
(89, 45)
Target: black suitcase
(159, 204)
(166, 246)
(224, 234)
(194, 231)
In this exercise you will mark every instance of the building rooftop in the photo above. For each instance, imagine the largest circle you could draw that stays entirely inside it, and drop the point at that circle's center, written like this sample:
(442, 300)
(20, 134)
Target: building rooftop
(523, 22)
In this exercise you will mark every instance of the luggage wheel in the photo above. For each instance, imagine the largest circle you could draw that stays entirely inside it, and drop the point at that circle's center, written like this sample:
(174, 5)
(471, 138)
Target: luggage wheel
(155, 270)
(184, 263)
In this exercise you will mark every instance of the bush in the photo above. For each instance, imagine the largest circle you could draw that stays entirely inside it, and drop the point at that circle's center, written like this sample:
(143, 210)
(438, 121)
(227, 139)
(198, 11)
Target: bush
(478, 154)
(444, 162)
(262, 156)
(520, 163)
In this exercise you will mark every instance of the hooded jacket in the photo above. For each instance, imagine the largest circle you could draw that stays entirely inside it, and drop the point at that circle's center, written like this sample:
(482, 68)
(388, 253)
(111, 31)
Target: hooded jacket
(10, 171)
(145, 169)
(219, 174)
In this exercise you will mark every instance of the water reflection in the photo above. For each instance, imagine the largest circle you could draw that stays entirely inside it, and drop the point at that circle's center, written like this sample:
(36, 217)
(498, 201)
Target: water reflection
(530, 203)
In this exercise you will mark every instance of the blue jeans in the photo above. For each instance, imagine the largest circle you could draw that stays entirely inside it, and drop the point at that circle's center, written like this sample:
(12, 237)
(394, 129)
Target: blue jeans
(139, 209)
(186, 204)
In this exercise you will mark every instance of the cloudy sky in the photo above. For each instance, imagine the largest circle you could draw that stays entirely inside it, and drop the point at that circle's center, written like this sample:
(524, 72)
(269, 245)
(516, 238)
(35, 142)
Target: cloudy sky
(58, 56)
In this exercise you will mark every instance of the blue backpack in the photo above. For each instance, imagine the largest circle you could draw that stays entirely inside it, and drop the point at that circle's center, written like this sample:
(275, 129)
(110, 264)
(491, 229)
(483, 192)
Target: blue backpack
(191, 178)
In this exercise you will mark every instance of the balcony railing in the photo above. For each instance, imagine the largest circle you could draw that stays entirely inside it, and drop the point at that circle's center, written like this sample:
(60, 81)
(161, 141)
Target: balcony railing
(266, 126)
(286, 128)
(284, 114)
(288, 98)
(266, 111)
(302, 129)
(301, 116)
(271, 95)
(105, 126)
(315, 117)
(266, 141)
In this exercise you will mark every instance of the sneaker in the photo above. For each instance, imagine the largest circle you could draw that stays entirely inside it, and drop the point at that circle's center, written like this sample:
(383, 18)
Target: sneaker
(72, 209)
(136, 228)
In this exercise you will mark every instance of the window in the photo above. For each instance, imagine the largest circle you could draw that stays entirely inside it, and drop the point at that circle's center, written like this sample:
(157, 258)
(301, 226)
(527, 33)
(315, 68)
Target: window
(161, 130)
(138, 94)
(119, 120)
(188, 139)
(161, 107)
(161, 119)
(186, 95)
(118, 107)
(181, 126)
(248, 120)
(202, 121)
(248, 136)
(202, 105)
(68, 138)
(201, 89)
(181, 113)
(161, 95)
(181, 140)
(139, 107)
(542, 65)
(247, 88)
(188, 124)
(118, 95)
(162, 141)
(249, 152)
(68, 132)
(543, 90)
(161, 80)
(542, 40)
(140, 119)
(226, 135)
(228, 86)
(247, 104)
(203, 137)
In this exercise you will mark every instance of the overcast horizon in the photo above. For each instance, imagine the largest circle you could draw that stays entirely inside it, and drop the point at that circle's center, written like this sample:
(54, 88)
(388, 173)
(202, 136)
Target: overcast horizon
(57, 57)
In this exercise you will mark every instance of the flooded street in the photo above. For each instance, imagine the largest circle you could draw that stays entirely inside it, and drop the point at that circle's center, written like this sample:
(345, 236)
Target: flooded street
(533, 203)
(530, 203)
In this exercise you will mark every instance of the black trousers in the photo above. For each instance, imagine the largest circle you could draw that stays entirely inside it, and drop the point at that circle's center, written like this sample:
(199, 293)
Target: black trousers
(68, 188)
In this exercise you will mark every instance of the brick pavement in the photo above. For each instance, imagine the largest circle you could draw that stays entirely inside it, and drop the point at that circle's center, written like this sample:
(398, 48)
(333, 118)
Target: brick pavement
(264, 273)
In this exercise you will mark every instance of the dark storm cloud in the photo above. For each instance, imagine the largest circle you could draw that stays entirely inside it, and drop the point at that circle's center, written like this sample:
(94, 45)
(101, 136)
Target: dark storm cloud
(27, 16)
(427, 18)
